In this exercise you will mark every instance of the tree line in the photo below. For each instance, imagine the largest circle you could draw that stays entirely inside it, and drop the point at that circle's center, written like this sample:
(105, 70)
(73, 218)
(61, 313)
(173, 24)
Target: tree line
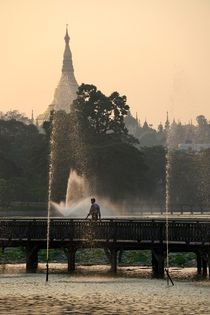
(23, 162)
(94, 140)
(174, 132)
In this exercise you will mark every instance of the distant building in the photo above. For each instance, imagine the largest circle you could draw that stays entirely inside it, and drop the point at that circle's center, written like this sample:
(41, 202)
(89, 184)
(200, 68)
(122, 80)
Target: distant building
(67, 87)
(132, 124)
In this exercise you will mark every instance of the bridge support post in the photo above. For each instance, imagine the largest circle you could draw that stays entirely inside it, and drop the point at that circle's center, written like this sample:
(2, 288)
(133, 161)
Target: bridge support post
(120, 256)
(108, 255)
(154, 265)
(71, 255)
(199, 262)
(31, 258)
(209, 261)
(113, 258)
(158, 263)
(204, 263)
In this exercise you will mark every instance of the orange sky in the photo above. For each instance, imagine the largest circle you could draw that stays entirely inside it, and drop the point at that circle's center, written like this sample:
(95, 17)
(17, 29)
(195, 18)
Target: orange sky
(157, 52)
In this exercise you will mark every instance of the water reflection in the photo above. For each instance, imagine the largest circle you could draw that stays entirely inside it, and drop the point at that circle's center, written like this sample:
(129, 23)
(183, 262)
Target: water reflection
(94, 291)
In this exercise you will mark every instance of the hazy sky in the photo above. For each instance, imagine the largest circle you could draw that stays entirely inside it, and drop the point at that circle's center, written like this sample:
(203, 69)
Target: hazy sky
(156, 52)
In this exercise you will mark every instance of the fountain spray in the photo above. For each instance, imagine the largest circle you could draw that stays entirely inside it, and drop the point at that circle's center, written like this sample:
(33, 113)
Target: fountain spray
(167, 207)
(49, 195)
(48, 220)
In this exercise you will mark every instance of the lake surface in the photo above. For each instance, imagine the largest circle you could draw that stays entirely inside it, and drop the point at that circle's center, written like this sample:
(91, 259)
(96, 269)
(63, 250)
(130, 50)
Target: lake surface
(92, 290)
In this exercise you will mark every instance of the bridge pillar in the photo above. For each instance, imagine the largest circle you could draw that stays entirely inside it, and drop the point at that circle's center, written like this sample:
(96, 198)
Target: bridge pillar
(113, 259)
(204, 263)
(209, 261)
(158, 263)
(31, 258)
(199, 262)
(71, 257)
(120, 256)
(108, 255)
(154, 265)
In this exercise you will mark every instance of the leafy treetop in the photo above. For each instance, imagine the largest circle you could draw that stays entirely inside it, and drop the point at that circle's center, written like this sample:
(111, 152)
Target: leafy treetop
(99, 113)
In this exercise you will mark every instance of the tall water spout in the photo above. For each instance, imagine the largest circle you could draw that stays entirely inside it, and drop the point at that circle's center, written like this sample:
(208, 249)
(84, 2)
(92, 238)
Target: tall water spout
(77, 189)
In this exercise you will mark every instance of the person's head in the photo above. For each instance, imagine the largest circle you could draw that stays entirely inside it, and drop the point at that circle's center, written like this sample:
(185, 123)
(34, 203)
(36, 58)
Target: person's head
(93, 200)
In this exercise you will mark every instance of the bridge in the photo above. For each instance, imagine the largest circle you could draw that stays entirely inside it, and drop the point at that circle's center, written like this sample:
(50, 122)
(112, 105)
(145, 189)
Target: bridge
(113, 235)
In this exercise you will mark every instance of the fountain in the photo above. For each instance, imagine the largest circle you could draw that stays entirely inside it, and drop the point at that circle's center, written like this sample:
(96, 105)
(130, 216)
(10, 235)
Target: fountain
(77, 201)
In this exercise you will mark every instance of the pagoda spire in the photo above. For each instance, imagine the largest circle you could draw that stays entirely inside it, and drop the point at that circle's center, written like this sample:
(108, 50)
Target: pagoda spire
(167, 123)
(67, 57)
(32, 116)
(66, 91)
(67, 38)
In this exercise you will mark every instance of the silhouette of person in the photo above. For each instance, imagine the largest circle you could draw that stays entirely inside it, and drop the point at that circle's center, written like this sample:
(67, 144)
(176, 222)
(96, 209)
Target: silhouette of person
(94, 210)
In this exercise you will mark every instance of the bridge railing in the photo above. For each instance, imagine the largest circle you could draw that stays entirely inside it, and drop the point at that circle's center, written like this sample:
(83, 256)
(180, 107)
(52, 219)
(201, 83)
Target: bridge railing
(104, 230)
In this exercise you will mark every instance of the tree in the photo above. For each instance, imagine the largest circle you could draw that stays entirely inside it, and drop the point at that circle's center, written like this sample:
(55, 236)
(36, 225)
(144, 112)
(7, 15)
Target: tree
(8, 168)
(203, 130)
(201, 120)
(155, 160)
(116, 169)
(16, 115)
(98, 113)
(102, 149)
(6, 192)
(184, 179)
(24, 160)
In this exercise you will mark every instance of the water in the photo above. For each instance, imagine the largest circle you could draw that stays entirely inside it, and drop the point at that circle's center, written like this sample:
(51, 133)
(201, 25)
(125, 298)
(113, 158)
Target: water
(77, 189)
(77, 203)
(92, 290)
(81, 208)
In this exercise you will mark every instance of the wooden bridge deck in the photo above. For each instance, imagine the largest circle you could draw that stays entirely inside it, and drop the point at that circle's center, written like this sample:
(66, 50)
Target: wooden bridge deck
(187, 231)
(114, 235)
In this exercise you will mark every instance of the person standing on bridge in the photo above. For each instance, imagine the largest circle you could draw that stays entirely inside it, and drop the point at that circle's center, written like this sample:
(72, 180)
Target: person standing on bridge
(94, 210)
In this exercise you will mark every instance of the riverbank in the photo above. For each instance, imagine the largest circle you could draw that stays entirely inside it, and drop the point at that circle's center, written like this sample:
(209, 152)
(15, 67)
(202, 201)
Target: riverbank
(89, 270)
(98, 256)
(92, 290)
